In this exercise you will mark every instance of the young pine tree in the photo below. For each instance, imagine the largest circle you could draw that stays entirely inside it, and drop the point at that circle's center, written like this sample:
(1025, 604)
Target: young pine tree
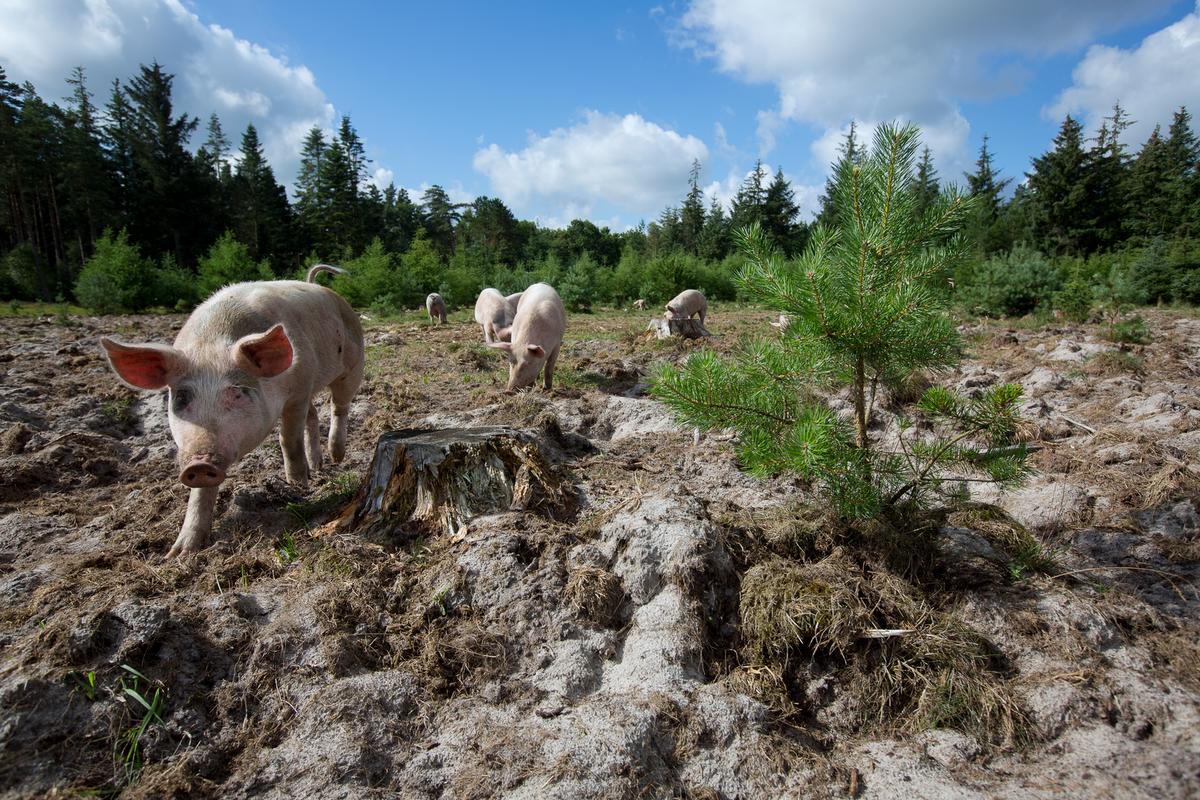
(865, 311)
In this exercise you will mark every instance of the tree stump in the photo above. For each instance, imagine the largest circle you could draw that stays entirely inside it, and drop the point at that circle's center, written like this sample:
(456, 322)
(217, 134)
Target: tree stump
(440, 479)
(686, 328)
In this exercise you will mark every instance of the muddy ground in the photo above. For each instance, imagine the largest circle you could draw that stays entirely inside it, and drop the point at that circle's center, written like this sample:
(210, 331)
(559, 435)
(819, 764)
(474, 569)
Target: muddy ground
(592, 653)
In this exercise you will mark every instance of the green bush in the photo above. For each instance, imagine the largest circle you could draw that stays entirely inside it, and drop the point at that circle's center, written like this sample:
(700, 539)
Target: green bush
(19, 276)
(1010, 284)
(174, 287)
(582, 286)
(227, 262)
(116, 278)
(374, 278)
(1075, 298)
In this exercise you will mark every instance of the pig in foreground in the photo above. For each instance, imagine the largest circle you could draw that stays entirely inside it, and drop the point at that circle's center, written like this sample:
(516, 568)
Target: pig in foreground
(494, 312)
(535, 337)
(249, 356)
(687, 304)
(435, 307)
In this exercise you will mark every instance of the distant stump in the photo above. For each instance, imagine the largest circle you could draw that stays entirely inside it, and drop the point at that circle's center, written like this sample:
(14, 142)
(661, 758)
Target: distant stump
(685, 328)
(440, 479)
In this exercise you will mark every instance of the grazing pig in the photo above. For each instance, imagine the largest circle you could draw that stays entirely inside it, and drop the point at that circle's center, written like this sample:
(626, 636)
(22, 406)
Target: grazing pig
(784, 321)
(251, 355)
(639, 304)
(435, 307)
(536, 336)
(686, 304)
(491, 313)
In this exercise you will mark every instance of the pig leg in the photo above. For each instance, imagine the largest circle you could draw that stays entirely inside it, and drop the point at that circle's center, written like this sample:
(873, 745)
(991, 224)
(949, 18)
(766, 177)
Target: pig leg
(342, 391)
(291, 442)
(548, 370)
(487, 332)
(312, 439)
(197, 524)
(702, 315)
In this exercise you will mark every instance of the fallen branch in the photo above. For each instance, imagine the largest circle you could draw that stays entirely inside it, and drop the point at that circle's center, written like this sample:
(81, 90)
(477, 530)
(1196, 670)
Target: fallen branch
(1078, 424)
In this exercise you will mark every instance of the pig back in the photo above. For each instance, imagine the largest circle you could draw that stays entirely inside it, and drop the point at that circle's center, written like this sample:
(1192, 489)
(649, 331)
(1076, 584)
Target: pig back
(688, 302)
(490, 308)
(540, 318)
(326, 334)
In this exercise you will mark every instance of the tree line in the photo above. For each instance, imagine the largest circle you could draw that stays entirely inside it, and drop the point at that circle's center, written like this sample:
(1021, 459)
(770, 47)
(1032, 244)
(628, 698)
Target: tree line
(110, 206)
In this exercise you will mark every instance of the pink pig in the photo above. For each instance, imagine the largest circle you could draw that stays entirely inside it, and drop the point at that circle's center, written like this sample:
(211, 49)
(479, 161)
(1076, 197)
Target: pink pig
(435, 307)
(535, 337)
(490, 313)
(251, 355)
(686, 304)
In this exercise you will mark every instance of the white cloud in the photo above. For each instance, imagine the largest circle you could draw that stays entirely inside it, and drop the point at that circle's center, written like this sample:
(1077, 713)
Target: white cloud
(628, 162)
(43, 40)
(381, 177)
(1151, 81)
(836, 60)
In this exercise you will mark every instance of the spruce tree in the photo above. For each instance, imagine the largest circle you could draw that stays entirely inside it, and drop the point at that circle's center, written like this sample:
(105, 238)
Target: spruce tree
(216, 146)
(1059, 193)
(848, 155)
(866, 311)
(750, 198)
(1148, 197)
(985, 185)
(1183, 175)
(1107, 177)
(714, 238)
(779, 215)
(312, 199)
(691, 213)
(927, 189)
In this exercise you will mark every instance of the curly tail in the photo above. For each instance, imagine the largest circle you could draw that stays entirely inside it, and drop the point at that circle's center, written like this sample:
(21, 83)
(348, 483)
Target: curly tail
(317, 269)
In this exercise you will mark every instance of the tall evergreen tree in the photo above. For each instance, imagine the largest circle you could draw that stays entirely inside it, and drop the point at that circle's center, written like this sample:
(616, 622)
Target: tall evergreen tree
(171, 205)
(1181, 154)
(749, 201)
(216, 149)
(926, 186)
(779, 213)
(441, 216)
(714, 238)
(1107, 178)
(691, 213)
(1059, 193)
(262, 214)
(88, 180)
(312, 199)
(849, 154)
(985, 185)
(1147, 197)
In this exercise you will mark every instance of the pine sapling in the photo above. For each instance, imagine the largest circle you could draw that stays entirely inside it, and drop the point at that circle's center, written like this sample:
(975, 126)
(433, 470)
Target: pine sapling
(867, 311)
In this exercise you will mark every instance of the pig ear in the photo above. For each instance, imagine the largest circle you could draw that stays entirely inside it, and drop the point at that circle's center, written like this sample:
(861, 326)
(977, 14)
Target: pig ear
(264, 355)
(144, 366)
(536, 349)
(505, 346)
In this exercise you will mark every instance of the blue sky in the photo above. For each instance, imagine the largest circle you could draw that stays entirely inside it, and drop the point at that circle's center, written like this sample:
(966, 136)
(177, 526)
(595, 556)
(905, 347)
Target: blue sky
(597, 109)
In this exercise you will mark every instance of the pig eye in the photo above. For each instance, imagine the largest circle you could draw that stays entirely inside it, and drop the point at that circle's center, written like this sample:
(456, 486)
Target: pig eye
(181, 398)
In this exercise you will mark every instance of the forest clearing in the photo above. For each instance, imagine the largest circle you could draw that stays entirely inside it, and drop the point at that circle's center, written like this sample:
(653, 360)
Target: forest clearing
(597, 652)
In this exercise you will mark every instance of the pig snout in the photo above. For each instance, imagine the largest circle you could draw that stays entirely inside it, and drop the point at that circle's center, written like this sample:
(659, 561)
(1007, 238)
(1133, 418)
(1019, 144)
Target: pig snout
(203, 471)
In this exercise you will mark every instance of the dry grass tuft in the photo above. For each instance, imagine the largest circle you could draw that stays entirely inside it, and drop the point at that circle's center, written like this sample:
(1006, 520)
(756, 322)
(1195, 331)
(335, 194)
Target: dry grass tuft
(1168, 483)
(595, 593)
(788, 607)
(941, 675)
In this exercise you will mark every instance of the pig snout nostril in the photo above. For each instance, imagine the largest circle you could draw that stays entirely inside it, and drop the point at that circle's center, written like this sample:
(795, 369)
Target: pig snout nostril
(202, 475)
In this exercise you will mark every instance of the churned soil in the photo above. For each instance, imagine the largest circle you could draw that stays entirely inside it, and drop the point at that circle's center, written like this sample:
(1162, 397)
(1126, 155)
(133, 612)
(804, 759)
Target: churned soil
(601, 651)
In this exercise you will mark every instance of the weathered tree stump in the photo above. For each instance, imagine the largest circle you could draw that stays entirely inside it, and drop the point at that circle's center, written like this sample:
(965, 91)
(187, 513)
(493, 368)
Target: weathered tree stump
(443, 478)
(686, 328)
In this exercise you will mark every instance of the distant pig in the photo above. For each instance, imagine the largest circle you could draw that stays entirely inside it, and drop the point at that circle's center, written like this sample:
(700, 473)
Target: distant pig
(639, 304)
(784, 321)
(536, 336)
(435, 307)
(686, 304)
(251, 355)
(490, 313)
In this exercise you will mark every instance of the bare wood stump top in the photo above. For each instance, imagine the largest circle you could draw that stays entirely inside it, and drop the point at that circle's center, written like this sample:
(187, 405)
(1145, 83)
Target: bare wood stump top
(686, 328)
(442, 478)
